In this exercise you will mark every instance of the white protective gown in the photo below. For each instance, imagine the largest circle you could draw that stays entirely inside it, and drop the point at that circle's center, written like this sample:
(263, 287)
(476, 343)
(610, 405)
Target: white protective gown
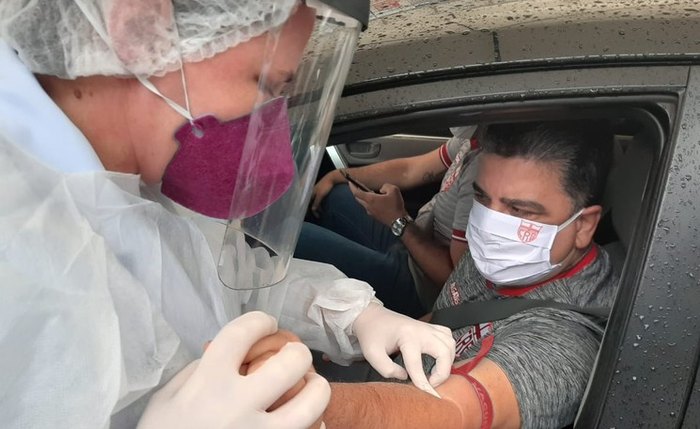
(106, 294)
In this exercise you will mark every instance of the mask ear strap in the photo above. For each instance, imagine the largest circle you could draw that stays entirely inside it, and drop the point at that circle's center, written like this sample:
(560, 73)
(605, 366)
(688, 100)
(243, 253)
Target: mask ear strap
(571, 219)
(184, 111)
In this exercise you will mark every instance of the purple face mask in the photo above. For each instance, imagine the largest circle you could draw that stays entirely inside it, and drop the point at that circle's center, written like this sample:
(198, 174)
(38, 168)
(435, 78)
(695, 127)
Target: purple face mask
(211, 165)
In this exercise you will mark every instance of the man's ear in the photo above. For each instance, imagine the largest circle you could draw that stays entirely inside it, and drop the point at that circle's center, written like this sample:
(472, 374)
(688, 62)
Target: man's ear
(586, 225)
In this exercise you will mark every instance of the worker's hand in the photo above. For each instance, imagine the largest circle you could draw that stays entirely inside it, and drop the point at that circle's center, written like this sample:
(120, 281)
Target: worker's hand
(270, 344)
(211, 392)
(323, 187)
(264, 350)
(385, 207)
(382, 332)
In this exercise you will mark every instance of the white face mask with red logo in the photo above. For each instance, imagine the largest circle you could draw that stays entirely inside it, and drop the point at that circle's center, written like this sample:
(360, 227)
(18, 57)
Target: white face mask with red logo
(511, 251)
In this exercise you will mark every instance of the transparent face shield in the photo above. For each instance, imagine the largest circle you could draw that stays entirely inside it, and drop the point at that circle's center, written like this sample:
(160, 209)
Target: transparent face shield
(283, 147)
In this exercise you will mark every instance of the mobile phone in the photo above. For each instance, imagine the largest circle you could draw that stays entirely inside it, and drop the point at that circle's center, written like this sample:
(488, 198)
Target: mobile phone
(350, 179)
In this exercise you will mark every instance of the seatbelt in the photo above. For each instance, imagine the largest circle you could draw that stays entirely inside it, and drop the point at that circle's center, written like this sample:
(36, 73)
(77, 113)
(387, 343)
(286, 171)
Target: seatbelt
(477, 312)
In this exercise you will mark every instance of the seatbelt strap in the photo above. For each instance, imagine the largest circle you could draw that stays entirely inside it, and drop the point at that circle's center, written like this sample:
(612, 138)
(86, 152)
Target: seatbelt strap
(477, 312)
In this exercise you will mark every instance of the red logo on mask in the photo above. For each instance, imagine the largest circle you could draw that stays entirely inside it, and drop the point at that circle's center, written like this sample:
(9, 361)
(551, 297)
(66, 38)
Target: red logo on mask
(528, 232)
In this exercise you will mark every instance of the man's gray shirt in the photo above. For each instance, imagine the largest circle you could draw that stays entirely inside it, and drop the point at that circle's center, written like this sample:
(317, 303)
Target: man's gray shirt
(547, 354)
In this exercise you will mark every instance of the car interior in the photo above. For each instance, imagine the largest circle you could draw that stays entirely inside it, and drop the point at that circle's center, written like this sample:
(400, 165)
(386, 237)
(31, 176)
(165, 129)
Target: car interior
(641, 127)
(639, 134)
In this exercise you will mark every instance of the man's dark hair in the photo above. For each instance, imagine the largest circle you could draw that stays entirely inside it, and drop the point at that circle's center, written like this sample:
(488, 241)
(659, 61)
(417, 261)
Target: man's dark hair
(581, 148)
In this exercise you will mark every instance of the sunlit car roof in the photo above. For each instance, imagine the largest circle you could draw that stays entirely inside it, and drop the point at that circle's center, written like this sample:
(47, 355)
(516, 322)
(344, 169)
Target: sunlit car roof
(408, 36)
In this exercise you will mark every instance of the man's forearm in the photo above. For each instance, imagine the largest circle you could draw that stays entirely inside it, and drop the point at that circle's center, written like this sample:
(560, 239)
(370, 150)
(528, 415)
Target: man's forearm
(388, 406)
(403, 406)
(394, 171)
(432, 257)
(406, 173)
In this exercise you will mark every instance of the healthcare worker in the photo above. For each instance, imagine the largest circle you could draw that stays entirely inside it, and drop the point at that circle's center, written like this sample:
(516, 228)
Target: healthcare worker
(156, 158)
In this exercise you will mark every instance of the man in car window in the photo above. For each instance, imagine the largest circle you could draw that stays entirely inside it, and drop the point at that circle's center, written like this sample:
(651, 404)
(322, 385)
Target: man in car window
(537, 193)
(370, 235)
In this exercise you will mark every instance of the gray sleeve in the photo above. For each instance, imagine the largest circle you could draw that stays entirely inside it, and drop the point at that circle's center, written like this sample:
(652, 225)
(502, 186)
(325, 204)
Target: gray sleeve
(547, 355)
(465, 199)
(452, 148)
(461, 136)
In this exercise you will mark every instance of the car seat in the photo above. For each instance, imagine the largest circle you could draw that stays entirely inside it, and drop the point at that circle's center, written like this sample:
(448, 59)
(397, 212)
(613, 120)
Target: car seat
(624, 191)
(633, 156)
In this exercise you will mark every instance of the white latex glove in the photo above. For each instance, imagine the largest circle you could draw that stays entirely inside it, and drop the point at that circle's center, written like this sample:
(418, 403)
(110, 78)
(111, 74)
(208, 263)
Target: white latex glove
(382, 332)
(210, 392)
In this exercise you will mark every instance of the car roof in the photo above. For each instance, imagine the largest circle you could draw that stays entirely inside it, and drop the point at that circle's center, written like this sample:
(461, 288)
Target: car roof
(411, 36)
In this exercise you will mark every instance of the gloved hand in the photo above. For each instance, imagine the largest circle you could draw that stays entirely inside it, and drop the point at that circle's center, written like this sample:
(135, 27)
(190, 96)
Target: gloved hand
(211, 393)
(382, 332)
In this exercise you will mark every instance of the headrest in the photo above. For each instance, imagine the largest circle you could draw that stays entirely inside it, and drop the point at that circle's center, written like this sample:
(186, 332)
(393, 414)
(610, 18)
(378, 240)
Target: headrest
(626, 183)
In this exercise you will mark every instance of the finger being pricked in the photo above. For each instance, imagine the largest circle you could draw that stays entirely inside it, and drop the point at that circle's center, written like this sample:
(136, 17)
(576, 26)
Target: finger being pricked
(281, 372)
(271, 343)
(292, 392)
(234, 339)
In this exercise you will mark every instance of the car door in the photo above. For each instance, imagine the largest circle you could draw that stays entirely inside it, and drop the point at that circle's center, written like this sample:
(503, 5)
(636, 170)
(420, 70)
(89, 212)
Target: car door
(647, 370)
